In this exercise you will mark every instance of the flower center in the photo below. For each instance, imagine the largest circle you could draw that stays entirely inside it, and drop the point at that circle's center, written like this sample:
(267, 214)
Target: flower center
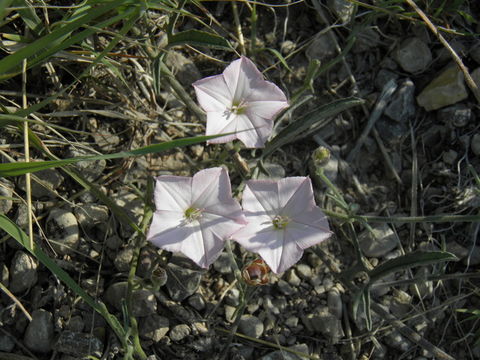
(280, 222)
(192, 214)
(237, 108)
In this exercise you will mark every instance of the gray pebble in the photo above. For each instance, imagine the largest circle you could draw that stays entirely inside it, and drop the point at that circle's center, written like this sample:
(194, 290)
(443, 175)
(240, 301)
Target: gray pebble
(449, 157)
(334, 302)
(292, 278)
(39, 333)
(6, 191)
(6, 343)
(285, 287)
(91, 170)
(398, 341)
(292, 321)
(304, 271)
(285, 355)
(233, 297)
(475, 145)
(23, 272)
(223, 264)
(456, 115)
(251, 326)
(154, 327)
(78, 344)
(144, 302)
(179, 332)
(402, 104)
(229, 312)
(62, 226)
(343, 9)
(182, 282)
(76, 324)
(50, 179)
(123, 259)
(197, 302)
(114, 242)
(322, 321)
(447, 88)
(185, 69)
(89, 215)
(379, 242)
(413, 55)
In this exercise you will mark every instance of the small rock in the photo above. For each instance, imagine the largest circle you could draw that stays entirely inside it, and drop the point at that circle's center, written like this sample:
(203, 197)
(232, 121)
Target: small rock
(285, 355)
(321, 48)
(6, 343)
(325, 323)
(397, 341)
(89, 215)
(367, 39)
(23, 272)
(179, 332)
(413, 55)
(123, 259)
(79, 345)
(383, 77)
(154, 327)
(446, 89)
(292, 278)
(401, 303)
(50, 180)
(342, 9)
(182, 282)
(392, 132)
(449, 157)
(424, 287)
(456, 249)
(105, 140)
(233, 297)
(6, 194)
(251, 326)
(91, 170)
(185, 69)
(473, 257)
(475, 52)
(379, 242)
(144, 302)
(223, 264)
(304, 271)
(475, 144)
(292, 321)
(39, 333)
(114, 242)
(197, 302)
(76, 324)
(285, 287)
(402, 105)
(334, 302)
(287, 46)
(229, 312)
(62, 226)
(457, 115)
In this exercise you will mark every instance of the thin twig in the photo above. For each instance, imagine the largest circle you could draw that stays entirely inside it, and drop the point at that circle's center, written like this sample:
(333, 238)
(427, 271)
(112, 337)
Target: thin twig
(468, 79)
(28, 185)
(238, 28)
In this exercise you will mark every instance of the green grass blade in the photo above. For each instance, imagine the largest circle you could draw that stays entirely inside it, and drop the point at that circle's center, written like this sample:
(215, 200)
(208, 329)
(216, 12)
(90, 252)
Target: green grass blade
(37, 48)
(298, 128)
(199, 38)
(419, 258)
(21, 168)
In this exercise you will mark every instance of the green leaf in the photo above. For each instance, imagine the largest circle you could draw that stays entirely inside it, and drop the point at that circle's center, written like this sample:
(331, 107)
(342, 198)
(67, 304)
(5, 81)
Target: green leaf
(298, 128)
(419, 258)
(28, 15)
(21, 168)
(199, 38)
(279, 57)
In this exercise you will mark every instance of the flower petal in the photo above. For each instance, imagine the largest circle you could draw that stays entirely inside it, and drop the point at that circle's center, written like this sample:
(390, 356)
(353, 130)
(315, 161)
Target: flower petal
(218, 124)
(263, 90)
(295, 195)
(281, 254)
(172, 193)
(240, 76)
(261, 197)
(265, 109)
(213, 93)
(307, 235)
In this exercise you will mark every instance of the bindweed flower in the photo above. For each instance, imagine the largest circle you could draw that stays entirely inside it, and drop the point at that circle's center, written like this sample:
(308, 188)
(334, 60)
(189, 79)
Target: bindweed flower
(240, 99)
(195, 215)
(283, 220)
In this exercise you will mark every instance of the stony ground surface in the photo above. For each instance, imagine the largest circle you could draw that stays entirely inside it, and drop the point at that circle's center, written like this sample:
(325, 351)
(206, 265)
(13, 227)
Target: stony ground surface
(416, 160)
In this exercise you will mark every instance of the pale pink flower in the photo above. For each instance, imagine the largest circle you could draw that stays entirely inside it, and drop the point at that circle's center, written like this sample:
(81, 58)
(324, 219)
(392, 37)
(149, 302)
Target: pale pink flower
(195, 215)
(283, 220)
(240, 99)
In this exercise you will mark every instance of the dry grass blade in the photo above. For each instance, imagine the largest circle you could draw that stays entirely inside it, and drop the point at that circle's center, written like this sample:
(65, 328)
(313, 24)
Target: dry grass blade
(468, 78)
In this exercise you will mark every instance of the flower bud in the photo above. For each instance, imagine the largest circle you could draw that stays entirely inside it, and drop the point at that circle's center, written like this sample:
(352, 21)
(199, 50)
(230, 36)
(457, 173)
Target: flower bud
(256, 273)
(320, 156)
